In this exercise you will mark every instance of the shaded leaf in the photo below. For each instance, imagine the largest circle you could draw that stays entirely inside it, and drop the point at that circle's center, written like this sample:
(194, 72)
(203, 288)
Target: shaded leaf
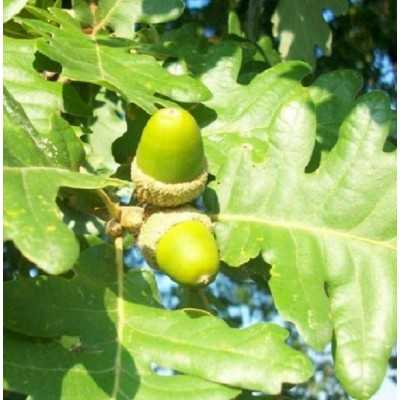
(108, 125)
(333, 95)
(299, 26)
(121, 15)
(122, 331)
(124, 148)
(62, 382)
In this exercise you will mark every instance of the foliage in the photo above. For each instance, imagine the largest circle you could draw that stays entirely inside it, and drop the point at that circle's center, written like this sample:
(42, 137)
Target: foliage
(302, 193)
(300, 27)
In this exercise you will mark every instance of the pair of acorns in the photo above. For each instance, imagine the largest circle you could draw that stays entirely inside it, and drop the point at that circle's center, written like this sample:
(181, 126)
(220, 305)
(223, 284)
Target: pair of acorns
(169, 171)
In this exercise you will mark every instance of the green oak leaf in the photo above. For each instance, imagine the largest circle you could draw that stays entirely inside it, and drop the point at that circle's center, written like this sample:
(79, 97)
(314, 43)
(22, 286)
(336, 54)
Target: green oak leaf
(239, 114)
(36, 166)
(333, 94)
(109, 62)
(108, 125)
(121, 15)
(41, 99)
(234, 25)
(329, 235)
(122, 331)
(32, 219)
(11, 8)
(24, 145)
(185, 43)
(299, 26)
(67, 379)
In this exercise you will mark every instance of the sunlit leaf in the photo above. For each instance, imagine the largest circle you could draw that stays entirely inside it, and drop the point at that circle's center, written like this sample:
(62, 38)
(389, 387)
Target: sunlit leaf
(35, 168)
(110, 62)
(329, 235)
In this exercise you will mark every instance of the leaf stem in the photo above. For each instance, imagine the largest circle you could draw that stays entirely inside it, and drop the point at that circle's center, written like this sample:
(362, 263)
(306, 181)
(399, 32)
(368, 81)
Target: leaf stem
(204, 299)
(119, 262)
(112, 208)
(154, 32)
(119, 255)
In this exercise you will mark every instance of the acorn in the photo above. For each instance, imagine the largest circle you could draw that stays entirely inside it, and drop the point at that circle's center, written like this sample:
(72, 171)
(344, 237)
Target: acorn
(180, 243)
(170, 167)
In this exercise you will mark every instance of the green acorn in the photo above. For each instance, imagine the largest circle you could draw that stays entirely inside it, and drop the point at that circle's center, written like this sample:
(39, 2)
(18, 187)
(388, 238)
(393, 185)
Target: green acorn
(180, 243)
(170, 167)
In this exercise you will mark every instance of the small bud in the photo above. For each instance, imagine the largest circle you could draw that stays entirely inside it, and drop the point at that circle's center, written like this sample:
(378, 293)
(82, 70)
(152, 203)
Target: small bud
(114, 228)
(132, 219)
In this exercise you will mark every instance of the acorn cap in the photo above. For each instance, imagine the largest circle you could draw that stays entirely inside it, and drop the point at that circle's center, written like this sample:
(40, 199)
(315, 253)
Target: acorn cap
(171, 148)
(152, 191)
(160, 222)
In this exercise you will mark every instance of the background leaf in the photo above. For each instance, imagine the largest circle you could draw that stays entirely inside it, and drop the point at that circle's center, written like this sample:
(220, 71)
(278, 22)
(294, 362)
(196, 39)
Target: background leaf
(108, 125)
(121, 15)
(300, 27)
(122, 331)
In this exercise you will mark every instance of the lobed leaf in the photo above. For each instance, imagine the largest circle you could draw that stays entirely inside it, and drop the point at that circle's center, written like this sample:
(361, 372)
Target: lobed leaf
(299, 26)
(333, 94)
(12, 8)
(107, 126)
(35, 168)
(329, 235)
(245, 113)
(122, 331)
(121, 15)
(109, 62)
(41, 99)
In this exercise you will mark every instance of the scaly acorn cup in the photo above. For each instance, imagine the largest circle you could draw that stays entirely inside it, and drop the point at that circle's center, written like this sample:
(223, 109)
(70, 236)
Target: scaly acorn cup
(180, 243)
(170, 168)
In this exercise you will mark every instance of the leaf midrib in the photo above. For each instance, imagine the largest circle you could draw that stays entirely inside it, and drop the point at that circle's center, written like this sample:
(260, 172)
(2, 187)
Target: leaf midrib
(295, 225)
